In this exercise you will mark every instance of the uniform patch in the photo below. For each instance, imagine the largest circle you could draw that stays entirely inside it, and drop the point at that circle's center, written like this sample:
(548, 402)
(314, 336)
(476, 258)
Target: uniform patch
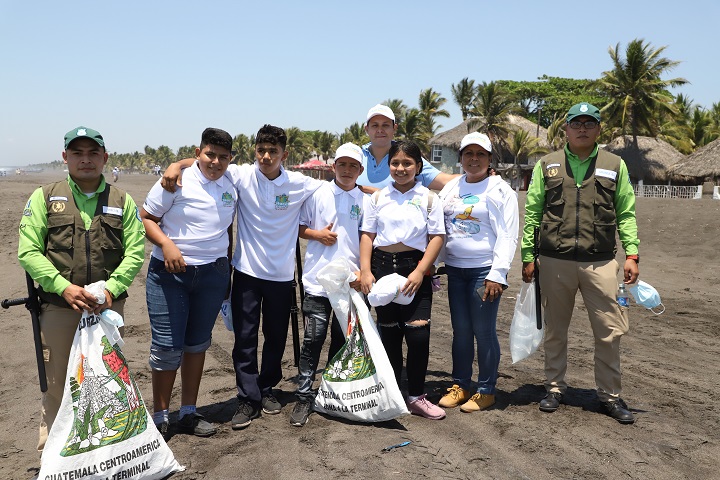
(601, 172)
(552, 172)
(282, 202)
(227, 199)
(56, 199)
(112, 211)
(27, 212)
(137, 213)
(57, 207)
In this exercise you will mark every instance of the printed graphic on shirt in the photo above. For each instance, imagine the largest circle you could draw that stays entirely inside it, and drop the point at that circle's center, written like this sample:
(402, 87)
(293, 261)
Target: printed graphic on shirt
(27, 212)
(282, 202)
(463, 224)
(227, 199)
(355, 212)
(415, 202)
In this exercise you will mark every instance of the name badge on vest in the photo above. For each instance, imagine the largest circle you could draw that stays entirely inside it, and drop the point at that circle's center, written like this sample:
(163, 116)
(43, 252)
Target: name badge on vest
(601, 172)
(58, 199)
(112, 211)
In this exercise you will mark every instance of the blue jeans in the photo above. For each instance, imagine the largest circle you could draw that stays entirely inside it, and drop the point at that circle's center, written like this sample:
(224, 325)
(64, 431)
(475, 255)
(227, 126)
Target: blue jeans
(183, 308)
(473, 320)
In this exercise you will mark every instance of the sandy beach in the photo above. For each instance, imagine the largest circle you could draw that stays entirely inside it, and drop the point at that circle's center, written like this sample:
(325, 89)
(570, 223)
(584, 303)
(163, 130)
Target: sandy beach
(670, 379)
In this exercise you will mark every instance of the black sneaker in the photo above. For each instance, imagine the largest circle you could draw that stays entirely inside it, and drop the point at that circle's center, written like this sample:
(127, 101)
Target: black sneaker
(245, 414)
(618, 410)
(270, 404)
(195, 424)
(300, 413)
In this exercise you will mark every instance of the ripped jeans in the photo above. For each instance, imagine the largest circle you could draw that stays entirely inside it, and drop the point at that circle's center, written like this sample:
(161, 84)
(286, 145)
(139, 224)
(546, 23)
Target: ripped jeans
(393, 319)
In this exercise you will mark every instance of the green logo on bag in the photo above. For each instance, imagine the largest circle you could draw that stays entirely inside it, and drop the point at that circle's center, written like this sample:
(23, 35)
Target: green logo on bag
(353, 361)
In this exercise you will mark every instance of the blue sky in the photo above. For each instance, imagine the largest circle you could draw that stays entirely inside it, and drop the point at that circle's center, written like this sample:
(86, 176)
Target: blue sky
(159, 72)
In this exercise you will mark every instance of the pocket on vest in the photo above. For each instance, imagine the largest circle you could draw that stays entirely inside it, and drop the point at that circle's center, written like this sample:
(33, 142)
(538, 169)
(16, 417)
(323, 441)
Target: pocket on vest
(604, 236)
(111, 231)
(61, 229)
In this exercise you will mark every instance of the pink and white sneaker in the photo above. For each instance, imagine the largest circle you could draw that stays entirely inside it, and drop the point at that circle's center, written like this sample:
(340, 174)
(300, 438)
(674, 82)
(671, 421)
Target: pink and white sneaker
(425, 408)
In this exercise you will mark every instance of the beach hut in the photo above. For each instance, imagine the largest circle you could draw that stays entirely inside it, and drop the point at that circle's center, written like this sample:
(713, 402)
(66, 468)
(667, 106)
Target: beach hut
(315, 168)
(703, 165)
(650, 162)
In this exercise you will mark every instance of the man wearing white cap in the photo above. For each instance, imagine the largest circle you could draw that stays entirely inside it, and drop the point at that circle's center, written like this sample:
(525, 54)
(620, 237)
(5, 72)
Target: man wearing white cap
(381, 127)
(331, 220)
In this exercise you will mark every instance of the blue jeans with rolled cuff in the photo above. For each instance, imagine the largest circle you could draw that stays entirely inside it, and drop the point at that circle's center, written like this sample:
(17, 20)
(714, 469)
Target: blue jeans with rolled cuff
(474, 322)
(183, 308)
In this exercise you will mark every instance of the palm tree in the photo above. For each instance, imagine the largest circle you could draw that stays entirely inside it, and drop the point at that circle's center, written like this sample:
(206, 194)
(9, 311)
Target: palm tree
(413, 130)
(243, 149)
(636, 90)
(399, 109)
(523, 146)
(491, 108)
(556, 133)
(463, 94)
(297, 146)
(430, 104)
(355, 133)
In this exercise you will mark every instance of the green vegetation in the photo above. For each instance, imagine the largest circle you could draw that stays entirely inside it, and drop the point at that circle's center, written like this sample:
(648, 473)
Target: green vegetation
(633, 94)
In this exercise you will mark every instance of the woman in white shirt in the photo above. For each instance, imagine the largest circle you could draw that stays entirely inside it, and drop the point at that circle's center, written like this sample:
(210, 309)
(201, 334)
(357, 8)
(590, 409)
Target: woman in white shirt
(481, 223)
(402, 233)
(188, 276)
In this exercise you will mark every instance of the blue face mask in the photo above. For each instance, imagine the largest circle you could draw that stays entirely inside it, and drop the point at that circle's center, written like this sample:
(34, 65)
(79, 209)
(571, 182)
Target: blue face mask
(645, 294)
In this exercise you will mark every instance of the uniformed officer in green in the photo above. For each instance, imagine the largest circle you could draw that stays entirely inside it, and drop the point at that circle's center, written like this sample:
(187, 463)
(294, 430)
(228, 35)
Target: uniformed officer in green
(580, 197)
(73, 233)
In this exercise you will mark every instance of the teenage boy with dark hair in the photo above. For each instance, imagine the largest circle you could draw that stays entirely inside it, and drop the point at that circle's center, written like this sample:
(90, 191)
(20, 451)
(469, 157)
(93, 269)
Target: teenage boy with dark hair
(331, 220)
(269, 202)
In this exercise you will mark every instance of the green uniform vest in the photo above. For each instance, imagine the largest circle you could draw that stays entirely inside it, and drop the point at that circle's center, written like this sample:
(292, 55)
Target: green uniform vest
(579, 223)
(82, 256)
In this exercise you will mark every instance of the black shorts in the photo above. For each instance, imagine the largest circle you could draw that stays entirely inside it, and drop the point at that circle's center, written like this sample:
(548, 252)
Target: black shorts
(402, 263)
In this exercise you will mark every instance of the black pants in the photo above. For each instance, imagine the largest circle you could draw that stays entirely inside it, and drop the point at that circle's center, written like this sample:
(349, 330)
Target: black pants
(318, 315)
(250, 297)
(393, 318)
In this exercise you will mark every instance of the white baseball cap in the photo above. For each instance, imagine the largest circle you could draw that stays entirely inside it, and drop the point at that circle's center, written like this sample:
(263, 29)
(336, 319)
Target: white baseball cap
(387, 290)
(476, 138)
(380, 109)
(349, 150)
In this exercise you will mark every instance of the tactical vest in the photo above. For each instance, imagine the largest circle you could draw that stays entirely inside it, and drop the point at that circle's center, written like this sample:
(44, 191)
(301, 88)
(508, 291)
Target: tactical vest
(82, 256)
(579, 223)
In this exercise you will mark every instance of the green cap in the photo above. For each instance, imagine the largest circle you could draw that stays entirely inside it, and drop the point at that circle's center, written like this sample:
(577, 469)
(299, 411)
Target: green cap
(84, 132)
(583, 109)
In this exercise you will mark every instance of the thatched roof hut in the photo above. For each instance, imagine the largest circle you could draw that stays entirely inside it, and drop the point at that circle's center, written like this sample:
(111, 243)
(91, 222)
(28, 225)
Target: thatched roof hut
(650, 162)
(703, 164)
(451, 138)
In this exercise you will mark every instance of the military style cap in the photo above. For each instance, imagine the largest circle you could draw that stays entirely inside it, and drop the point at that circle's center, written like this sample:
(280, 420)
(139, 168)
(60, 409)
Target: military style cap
(583, 109)
(84, 132)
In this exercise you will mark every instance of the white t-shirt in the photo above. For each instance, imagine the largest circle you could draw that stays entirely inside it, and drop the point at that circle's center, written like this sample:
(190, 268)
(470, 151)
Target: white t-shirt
(268, 220)
(195, 217)
(481, 221)
(331, 204)
(403, 217)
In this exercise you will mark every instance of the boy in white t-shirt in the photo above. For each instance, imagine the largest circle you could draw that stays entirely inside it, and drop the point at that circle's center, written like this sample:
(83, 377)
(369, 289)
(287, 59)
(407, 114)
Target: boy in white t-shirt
(268, 212)
(331, 220)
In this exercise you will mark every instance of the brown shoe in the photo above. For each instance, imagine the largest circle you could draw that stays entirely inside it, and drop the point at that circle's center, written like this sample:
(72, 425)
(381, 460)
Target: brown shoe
(479, 401)
(455, 396)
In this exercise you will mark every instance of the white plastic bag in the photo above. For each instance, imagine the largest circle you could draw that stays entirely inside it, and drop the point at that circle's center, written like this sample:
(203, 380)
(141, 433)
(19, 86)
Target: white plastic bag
(226, 314)
(524, 334)
(103, 429)
(358, 383)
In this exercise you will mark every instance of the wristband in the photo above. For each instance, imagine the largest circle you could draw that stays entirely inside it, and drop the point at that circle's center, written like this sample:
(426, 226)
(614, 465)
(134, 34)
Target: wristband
(633, 257)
